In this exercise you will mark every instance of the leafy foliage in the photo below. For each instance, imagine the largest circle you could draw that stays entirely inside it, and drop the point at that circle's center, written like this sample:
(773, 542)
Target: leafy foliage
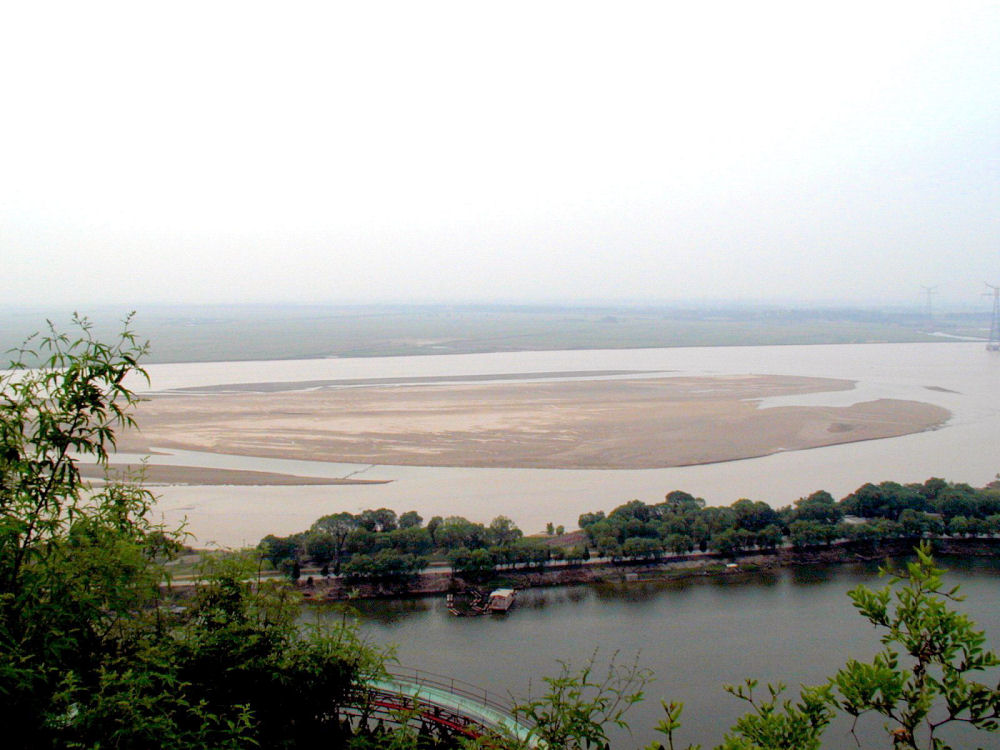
(921, 680)
(73, 563)
(90, 653)
(579, 706)
(779, 725)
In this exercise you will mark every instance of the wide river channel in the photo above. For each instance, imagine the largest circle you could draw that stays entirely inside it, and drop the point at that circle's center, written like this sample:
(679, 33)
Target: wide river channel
(793, 625)
(960, 377)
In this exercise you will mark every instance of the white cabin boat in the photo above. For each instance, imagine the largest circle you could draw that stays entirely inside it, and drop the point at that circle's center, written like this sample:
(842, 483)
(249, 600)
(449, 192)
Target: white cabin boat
(500, 600)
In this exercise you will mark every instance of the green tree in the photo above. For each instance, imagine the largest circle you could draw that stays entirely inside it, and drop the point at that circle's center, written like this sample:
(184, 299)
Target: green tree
(914, 523)
(588, 519)
(754, 516)
(770, 537)
(240, 646)
(603, 532)
(456, 531)
(885, 500)
(275, 549)
(634, 509)
(503, 532)
(579, 706)
(53, 623)
(320, 547)
(338, 526)
(386, 564)
(727, 543)
(410, 519)
(90, 656)
(529, 552)
(679, 544)
(577, 554)
(432, 528)
(475, 563)
(775, 724)
(679, 501)
(378, 520)
(412, 539)
(808, 533)
(921, 682)
(819, 506)
(641, 547)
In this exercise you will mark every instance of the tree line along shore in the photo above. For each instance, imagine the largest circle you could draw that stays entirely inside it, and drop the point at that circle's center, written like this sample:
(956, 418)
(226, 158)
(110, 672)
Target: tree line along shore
(379, 553)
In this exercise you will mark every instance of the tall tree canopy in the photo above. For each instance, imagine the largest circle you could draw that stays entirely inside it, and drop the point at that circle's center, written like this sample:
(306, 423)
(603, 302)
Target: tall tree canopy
(90, 655)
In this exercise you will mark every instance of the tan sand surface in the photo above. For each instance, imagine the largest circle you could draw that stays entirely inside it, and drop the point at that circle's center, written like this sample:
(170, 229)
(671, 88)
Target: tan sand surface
(580, 424)
(154, 474)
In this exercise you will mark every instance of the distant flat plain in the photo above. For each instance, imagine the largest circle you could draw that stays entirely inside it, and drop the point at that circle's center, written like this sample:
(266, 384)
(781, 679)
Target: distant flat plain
(249, 332)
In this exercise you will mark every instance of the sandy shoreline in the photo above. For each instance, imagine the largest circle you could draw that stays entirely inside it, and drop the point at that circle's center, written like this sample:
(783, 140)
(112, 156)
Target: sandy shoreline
(310, 385)
(154, 474)
(650, 422)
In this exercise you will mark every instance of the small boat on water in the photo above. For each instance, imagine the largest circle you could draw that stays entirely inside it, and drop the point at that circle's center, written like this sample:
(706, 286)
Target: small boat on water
(500, 600)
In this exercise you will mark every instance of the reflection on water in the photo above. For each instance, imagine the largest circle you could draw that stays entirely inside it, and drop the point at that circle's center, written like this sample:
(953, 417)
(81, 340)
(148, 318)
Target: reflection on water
(794, 625)
(806, 575)
(745, 578)
(382, 611)
(986, 568)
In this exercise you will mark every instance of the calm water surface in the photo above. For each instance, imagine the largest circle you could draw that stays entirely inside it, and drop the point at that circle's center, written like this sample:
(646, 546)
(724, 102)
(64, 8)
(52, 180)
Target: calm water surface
(793, 625)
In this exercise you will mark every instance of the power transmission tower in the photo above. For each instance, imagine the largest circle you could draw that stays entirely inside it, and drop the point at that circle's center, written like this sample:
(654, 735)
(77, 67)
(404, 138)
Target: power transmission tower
(993, 345)
(930, 291)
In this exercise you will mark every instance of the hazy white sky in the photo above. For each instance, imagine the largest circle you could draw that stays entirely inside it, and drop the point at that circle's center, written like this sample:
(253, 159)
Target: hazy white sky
(536, 151)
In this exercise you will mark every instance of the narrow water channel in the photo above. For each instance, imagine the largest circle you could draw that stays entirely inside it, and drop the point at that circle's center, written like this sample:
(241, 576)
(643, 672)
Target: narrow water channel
(792, 625)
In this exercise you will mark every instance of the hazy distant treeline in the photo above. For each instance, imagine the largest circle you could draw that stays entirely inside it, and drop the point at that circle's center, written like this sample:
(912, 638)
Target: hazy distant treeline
(224, 333)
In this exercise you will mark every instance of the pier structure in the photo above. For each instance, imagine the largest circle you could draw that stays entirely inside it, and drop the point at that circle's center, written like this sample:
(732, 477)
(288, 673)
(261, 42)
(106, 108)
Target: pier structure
(436, 704)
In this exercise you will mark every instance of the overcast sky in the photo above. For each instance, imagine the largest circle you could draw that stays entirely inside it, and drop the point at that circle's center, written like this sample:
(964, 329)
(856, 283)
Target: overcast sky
(517, 151)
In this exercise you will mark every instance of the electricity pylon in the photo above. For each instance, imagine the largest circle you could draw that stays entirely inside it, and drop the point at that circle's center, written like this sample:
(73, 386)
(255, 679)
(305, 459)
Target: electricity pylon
(993, 345)
(930, 290)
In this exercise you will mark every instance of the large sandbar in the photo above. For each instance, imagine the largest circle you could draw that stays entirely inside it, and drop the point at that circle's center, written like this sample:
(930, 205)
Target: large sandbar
(636, 423)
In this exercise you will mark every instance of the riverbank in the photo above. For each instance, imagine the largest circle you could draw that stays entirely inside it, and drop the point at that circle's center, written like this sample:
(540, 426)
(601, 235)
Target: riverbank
(154, 475)
(437, 583)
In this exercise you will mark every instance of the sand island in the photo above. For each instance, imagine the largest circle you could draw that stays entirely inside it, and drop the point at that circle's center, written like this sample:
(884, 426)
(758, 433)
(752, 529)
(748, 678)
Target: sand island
(639, 422)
